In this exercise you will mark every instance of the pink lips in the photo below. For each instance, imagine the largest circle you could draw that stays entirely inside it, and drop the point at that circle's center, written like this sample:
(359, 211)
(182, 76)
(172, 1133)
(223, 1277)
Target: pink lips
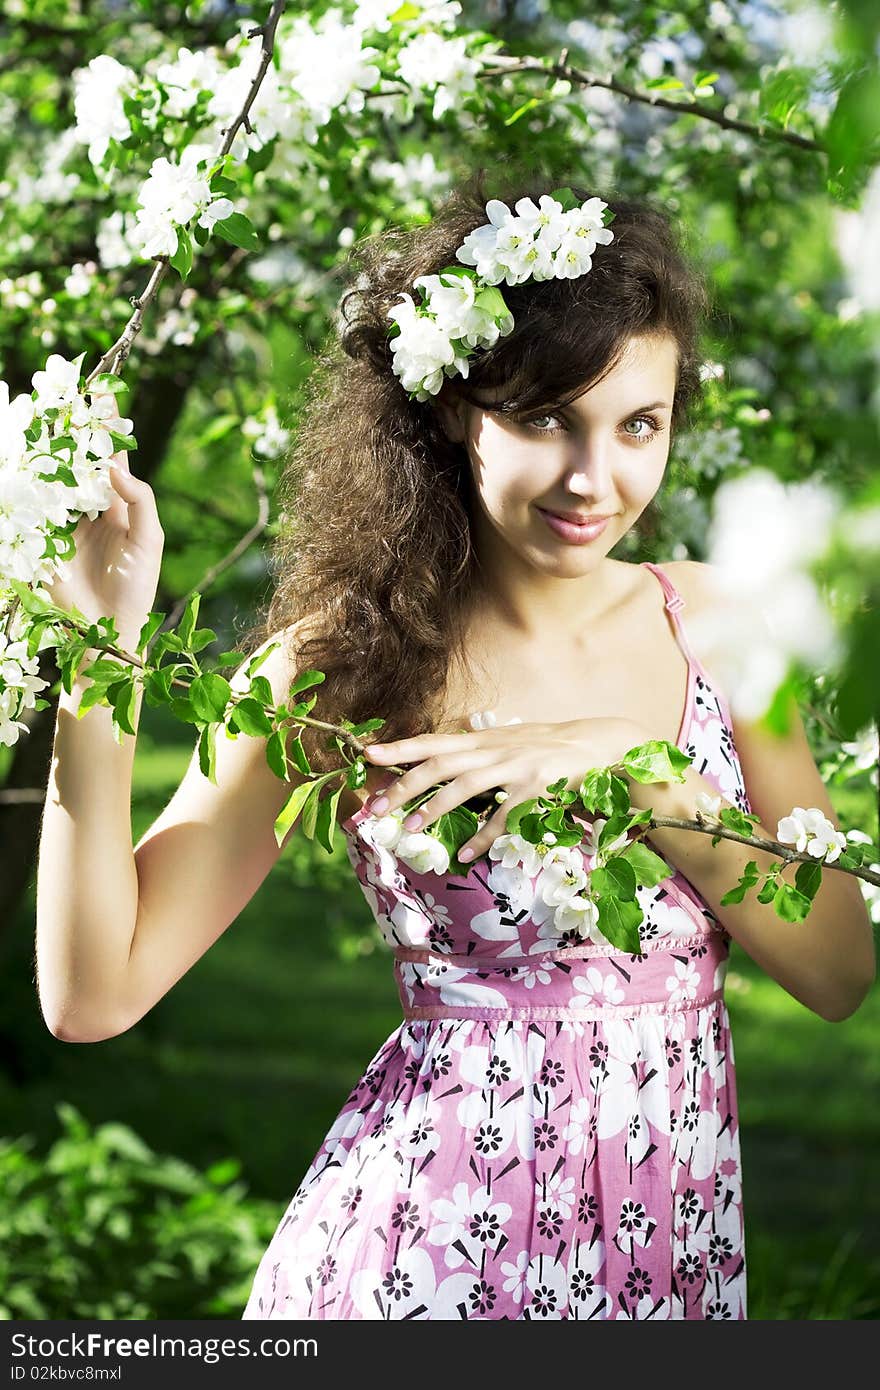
(577, 532)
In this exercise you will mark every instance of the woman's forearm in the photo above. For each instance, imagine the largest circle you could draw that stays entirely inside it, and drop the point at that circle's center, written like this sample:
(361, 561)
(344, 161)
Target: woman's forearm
(87, 886)
(827, 961)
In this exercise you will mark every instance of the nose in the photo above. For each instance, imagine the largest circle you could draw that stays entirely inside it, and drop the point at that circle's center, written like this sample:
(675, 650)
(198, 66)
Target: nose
(590, 468)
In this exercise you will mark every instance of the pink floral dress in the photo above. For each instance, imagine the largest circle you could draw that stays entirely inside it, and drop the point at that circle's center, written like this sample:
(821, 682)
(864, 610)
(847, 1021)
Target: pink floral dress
(551, 1131)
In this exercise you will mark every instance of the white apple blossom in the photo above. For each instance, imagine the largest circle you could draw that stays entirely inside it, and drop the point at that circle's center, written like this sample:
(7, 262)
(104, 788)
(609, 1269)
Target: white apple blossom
(99, 89)
(709, 805)
(58, 383)
(763, 538)
(172, 195)
(326, 65)
(857, 234)
(864, 749)
(811, 830)
(375, 15)
(430, 62)
(189, 74)
(15, 417)
(417, 178)
(270, 438)
(81, 279)
(422, 852)
(113, 239)
(537, 242)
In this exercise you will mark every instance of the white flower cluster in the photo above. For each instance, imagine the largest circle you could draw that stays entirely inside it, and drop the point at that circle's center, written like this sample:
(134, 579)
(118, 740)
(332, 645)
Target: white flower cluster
(763, 538)
(171, 197)
(54, 428)
(462, 310)
(812, 831)
(560, 890)
(553, 877)
(19, 685)
(269, 436)
(99, 89)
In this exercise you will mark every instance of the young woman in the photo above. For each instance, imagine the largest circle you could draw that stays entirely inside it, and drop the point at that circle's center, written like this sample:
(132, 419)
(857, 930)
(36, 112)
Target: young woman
(551, 1131)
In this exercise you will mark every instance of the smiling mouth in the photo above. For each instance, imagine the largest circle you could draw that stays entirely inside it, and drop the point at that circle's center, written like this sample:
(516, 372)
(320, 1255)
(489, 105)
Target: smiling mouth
(577, 518)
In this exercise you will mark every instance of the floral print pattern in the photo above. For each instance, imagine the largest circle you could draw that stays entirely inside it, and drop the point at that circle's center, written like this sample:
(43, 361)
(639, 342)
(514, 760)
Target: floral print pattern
(552, 1130)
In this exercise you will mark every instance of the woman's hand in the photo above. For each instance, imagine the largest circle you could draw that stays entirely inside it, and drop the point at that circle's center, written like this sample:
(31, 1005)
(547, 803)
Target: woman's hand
(523, 759)
(115, 571)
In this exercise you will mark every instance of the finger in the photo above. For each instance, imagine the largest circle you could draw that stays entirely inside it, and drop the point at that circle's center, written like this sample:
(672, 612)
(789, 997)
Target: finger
(413, 784)
(412, 750)
(455, 793)
(143, 514)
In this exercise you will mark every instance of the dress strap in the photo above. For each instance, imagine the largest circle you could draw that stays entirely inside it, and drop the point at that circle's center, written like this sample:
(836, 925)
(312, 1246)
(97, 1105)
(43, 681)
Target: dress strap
(674, 604)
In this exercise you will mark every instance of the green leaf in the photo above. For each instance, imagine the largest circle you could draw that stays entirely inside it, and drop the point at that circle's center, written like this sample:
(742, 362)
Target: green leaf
(298, 757)
(808, 879)
(292, 808)
(304, 680)
(239, 230)
(615, 825)
(619, 922)
(183, 257)
(453, 829)
(122, 697)
(186, 626)
(618, 877)
(521, 110)
(656, 761)
(748, 879)
(768, 891)
(491, 301)
(250, 717)
(664, 84)
(256, 661)
(153, 623)
(218, 429)
(201, 638)
(649, 868)
(325, 820)
(735, 819)
(209, 695)
(791, 905)
(566, 197)
(207, 747)
(595, 791)
(224, 187)
(275, 755)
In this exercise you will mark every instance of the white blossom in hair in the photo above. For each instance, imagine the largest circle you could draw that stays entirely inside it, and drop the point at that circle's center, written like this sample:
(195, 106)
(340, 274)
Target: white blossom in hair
(462, 310)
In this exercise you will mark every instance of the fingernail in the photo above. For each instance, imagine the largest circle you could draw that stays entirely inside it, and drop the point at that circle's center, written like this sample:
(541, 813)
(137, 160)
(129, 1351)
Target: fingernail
(379, 805)
(412, 822)
(465, 854)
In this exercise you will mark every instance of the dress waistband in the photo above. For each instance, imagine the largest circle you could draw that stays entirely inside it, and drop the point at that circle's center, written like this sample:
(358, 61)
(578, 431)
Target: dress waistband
(571, 982)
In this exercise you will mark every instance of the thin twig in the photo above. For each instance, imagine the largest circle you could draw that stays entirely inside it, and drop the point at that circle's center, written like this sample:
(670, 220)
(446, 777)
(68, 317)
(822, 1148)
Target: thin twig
(564, 70)
(115, 357)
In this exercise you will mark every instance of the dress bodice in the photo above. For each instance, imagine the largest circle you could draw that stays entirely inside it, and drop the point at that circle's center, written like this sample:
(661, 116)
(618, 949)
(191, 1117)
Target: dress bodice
(487, 940)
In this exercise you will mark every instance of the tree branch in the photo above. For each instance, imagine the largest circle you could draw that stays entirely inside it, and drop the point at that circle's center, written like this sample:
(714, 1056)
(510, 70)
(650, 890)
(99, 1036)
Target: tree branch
(561, 69)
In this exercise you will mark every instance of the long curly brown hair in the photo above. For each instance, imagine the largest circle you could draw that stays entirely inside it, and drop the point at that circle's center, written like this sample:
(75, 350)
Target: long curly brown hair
(373, 556)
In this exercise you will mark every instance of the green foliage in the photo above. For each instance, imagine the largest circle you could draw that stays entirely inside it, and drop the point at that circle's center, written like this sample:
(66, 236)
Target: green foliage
(103, 1227)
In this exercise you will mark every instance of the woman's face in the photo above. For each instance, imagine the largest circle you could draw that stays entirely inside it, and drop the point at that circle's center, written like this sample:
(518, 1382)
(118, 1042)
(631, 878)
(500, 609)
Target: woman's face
(603, 454)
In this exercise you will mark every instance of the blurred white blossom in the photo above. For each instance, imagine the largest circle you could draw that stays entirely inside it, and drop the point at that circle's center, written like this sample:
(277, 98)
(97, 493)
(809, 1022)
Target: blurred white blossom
(99, 89)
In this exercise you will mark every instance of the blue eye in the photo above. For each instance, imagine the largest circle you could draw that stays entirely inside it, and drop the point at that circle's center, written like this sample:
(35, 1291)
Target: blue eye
(654, 428)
